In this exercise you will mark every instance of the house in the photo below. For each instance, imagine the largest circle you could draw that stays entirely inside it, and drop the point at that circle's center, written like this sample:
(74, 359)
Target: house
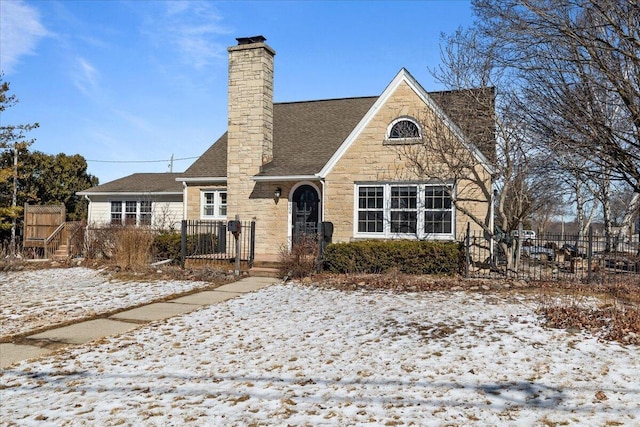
(290, 166)
(146, 199)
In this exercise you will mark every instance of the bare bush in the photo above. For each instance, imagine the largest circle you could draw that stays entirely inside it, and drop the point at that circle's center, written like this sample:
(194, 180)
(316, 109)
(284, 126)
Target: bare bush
(301, 260)
(127, 247)
(133, 248)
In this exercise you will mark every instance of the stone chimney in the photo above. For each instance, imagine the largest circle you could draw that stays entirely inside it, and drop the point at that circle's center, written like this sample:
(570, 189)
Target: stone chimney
(250, 127)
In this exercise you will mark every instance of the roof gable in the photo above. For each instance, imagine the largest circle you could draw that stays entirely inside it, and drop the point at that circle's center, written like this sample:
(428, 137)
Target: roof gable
(404, 76)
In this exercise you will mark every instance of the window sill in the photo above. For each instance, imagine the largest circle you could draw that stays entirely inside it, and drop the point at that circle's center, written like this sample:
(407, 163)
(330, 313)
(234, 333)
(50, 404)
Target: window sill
(402, 141)
(381, 236)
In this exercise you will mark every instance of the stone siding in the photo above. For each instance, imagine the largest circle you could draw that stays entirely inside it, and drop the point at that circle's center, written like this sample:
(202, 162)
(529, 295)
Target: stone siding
(369, 159)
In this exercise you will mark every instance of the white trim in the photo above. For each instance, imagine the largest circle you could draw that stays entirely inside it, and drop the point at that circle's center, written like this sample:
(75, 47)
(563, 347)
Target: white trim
(203, 179)
(129, 193)
(402, 140)
(216, 202)
(184, 200)
(260, 178)
(403, 76)
(290, 207)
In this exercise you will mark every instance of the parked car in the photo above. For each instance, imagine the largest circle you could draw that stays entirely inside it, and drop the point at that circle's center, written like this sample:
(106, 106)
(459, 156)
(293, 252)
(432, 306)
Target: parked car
(526, 234)
(538, 252)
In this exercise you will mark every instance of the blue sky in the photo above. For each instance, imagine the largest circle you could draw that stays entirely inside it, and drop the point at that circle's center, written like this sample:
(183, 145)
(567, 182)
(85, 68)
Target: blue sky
(128, 83)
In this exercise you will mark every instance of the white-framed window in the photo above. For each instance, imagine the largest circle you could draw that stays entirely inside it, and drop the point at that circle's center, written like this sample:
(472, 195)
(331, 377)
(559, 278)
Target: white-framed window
(116, 213)
(145, 212)
(388, 210)
(131, 212)
(213, 204)
(403, 130)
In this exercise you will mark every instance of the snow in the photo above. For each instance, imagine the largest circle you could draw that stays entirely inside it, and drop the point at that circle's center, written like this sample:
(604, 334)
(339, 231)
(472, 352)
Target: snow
(294, 354)
(37, 298)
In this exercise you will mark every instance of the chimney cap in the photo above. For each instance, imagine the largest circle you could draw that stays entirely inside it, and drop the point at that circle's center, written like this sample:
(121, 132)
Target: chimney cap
(251, 40)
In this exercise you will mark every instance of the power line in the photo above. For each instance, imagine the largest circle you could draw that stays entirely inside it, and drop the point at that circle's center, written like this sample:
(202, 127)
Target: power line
(141, 161)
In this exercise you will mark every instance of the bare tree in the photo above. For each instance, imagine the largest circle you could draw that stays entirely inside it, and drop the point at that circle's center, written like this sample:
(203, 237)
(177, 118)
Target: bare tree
(485, 95)
(578, 62)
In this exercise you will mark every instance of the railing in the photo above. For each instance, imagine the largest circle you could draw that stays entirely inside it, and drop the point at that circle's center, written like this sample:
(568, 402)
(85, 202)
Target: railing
(53, 242)
(74, 231)
(210, 242)
(590, 259)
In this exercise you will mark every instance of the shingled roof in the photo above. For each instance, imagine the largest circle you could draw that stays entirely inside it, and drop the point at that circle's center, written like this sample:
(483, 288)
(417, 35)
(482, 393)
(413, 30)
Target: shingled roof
(306, 134)
(144, 183)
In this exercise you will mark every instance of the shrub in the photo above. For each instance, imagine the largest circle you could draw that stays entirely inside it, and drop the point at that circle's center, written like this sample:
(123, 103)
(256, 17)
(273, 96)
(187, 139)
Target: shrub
(128, 247)
(167, 246)
(132, 248)
(99, 242)
(405, 256)
(301, 260)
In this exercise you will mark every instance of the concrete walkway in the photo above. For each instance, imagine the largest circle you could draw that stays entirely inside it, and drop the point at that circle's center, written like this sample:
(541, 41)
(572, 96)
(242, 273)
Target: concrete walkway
(79, 333)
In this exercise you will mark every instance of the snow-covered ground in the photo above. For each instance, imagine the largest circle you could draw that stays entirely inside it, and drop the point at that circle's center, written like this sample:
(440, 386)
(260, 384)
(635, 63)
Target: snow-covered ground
(302, 355)
(33, 299)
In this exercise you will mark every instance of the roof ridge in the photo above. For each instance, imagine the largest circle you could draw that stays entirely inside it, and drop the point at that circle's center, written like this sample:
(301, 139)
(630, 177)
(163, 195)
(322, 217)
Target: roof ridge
(325, 100)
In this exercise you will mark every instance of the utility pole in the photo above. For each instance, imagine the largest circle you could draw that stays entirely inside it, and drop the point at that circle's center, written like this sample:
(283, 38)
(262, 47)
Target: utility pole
(14, 199)
(171, 163)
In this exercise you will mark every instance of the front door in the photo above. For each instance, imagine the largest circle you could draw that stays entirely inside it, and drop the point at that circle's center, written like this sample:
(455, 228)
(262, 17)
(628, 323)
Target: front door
(305, 212)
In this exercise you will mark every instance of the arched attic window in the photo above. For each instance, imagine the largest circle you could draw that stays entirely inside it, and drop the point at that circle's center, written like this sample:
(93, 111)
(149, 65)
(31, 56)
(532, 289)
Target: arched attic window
(403, 129)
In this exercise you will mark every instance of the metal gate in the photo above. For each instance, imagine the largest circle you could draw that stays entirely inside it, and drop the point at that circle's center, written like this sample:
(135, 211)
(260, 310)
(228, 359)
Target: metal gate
(212, 243)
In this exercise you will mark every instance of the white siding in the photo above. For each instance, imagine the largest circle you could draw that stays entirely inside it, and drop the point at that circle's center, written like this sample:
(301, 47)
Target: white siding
(167, 209)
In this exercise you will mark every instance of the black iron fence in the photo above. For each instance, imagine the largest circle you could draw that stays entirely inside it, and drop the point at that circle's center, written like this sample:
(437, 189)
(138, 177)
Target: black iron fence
(591, 258)
(218, 242)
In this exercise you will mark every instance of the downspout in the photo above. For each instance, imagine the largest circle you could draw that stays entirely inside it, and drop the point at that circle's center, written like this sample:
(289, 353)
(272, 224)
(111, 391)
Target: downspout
(86, 228)
(184, 200)
(88, 210)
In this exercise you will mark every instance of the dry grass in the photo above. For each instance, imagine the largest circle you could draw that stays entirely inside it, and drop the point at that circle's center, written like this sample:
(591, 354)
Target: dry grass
(565, 305)
(128, 248)
(132, 248)
(616, 316)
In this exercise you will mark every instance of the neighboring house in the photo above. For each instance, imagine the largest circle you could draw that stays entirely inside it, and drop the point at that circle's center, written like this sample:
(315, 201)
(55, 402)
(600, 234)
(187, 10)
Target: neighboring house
(147, 199)
(290, 166)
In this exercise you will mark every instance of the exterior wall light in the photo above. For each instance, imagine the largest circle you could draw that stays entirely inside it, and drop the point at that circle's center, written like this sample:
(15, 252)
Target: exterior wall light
(277, 193)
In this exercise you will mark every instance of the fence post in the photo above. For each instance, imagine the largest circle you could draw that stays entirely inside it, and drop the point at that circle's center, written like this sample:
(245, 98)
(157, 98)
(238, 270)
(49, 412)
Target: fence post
(589, 253)
(468, 249)
(252, 244)
(183, 243)
(238, 249)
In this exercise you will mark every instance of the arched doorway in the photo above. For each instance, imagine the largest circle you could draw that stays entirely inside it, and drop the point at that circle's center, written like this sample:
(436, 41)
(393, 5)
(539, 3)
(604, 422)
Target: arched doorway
(305, 212)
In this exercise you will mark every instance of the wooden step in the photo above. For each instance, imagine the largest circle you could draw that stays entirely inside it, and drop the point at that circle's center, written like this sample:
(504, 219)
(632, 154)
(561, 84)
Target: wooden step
(61, 253)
